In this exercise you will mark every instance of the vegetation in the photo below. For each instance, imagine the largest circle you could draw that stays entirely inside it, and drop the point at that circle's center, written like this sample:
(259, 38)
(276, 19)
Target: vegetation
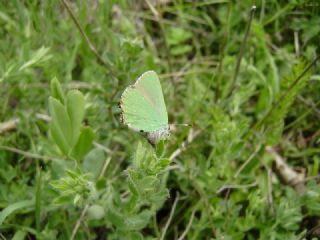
(245, 77)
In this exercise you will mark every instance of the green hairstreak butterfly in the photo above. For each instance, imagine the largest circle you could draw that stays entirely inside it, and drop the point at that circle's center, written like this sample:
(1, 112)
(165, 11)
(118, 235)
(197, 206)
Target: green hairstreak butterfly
(143, 108)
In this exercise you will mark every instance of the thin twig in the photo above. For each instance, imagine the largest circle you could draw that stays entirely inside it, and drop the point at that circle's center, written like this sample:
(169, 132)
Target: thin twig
(203, 195)
(262, 11)
(76, 227)
(159, 19)
(225, 186)
(105, 166)
(184, 234)
(103, 148)
(191, 136)
(153, 10)
(170, 217)
(244, 186)
(286, 174)
(9, 125)
(177, 75)
(296, 43)
(248, 161)
(218, 75)
(270, 198)
(312, 105)
(106, 62)
(43, 117)
(242, 48)
(26, 154)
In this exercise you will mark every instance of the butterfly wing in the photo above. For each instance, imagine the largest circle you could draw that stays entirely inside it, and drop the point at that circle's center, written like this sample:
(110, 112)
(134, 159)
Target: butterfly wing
(143, 104)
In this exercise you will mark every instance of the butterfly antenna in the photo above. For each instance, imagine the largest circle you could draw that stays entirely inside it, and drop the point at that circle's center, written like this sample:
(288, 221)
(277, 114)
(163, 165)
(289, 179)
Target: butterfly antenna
(179, 124)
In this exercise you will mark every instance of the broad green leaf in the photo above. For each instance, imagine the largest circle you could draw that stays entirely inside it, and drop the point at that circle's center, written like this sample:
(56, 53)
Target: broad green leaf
(136, 236)
(56, 90)
(19, 235)
(61, 131)
(159, 197)
(84, 143)
(96, 212)
(93, 162)
(116, 218)
(143, 152)
(75, 109)
(14, 207)
(138, 221)
(149, 183)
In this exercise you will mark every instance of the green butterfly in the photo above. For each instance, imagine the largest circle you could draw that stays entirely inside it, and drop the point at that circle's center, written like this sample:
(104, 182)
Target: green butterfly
(143, 108)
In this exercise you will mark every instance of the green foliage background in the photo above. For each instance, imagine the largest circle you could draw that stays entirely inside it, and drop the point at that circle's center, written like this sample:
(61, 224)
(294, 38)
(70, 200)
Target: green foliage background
(218, 170)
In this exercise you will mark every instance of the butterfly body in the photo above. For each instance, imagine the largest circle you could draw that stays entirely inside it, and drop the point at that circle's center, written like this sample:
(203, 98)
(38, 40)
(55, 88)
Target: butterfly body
(143, 108)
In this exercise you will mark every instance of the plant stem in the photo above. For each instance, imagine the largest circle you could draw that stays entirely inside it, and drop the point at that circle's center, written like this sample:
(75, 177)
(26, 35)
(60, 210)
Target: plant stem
(184, 234)
(106, 62)
(76, 227)
(241, 52)
(282, 97)
(38, 200)
(170, 217)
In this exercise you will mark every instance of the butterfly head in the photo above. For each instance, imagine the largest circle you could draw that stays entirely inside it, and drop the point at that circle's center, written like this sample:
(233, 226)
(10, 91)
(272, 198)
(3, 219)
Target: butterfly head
(155, 136)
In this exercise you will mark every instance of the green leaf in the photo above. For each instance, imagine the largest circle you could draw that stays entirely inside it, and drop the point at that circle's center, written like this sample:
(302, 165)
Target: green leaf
(73, 174)
(62, 200)
(132, 187)
(291, 86)
(143, 152)
(163, 163)
(93, 162)
(180, 50)
(133, 178)
(59, 184)
(116, 218)
(139, 221)
(148, 183)
(75, 109)
(60, 130)
(84, 143)
(19, 235)
(136, 236)
(14, 207)
(76, 199)
(96, 212)
(178, 35)
(41, 55)
(56, 90)
(160, 147)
